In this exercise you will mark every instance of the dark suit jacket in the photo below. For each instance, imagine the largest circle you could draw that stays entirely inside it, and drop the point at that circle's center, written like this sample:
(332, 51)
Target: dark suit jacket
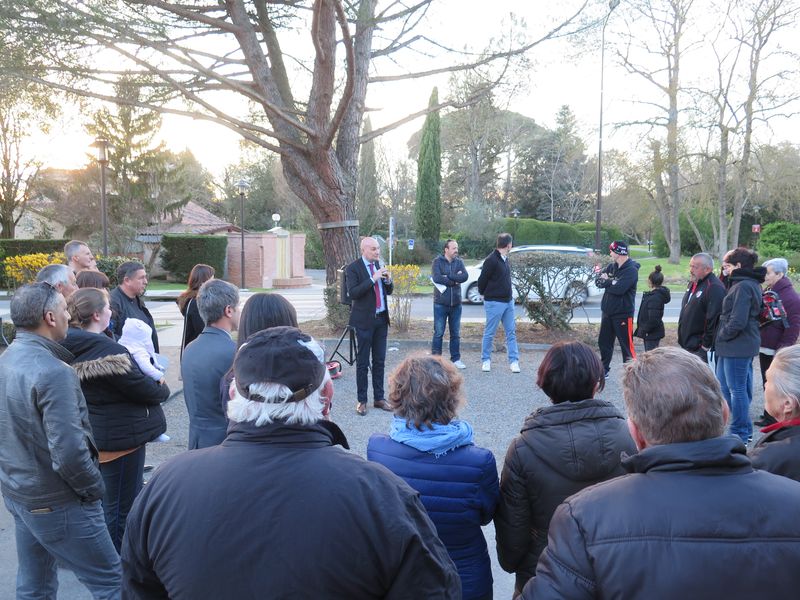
(362, 295)
(204, 363)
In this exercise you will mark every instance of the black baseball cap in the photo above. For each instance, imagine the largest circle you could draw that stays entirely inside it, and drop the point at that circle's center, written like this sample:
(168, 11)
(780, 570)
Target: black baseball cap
(282, 355)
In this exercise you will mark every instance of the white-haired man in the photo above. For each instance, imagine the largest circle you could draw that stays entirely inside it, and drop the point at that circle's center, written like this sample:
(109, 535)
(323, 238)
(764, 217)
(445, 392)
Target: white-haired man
(277, 509)
(60, 277)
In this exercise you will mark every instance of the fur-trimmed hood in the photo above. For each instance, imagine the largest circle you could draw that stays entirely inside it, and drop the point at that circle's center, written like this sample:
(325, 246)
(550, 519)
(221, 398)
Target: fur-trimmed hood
(107, 366)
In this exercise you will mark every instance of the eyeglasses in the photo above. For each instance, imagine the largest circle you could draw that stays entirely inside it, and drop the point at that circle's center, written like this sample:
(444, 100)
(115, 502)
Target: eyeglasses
(50, 290)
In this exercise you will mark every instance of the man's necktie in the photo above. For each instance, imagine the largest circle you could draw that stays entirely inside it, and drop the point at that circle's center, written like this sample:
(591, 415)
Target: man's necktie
(376, 287)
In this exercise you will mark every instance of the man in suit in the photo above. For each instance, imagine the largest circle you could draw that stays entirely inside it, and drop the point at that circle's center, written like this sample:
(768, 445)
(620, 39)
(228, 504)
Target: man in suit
(206, 360)
(368, 285)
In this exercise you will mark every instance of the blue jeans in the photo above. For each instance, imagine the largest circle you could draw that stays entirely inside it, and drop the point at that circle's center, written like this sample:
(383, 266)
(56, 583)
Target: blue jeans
(75, 535)
(497, 312)
(123, 478)
(736, 380)
(442, 315)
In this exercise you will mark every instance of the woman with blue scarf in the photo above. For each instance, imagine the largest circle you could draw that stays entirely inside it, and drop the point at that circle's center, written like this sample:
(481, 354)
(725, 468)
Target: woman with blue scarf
(433, 451)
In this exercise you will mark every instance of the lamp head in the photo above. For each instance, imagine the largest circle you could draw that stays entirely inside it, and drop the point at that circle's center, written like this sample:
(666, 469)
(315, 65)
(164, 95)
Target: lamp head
(243, 187)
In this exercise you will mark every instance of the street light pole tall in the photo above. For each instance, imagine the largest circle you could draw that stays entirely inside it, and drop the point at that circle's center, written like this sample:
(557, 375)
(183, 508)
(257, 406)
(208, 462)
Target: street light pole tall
(102, 158)
(598, 209)
(242, 187)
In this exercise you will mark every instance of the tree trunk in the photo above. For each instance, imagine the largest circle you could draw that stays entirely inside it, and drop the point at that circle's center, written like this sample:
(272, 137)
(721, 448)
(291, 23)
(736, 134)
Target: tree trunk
(9, 227)
(722, 193)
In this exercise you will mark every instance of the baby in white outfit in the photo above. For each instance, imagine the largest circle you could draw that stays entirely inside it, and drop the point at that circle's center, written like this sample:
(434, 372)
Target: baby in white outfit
(137, 338)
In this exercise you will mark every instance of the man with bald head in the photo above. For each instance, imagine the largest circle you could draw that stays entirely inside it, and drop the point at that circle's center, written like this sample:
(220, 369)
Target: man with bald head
(700, 307)
(368, 285)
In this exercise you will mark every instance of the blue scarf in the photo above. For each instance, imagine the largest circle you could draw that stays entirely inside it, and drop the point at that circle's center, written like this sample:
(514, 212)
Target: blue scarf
(438, 441)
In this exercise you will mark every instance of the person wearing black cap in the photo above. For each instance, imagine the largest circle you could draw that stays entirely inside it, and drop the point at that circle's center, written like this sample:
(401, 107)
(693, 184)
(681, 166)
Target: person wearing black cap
(618, 280)
(277, 509)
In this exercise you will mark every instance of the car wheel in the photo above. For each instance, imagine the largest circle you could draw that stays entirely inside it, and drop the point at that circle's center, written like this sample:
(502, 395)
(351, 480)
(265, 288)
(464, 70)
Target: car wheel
(473, 295)
(577, 294)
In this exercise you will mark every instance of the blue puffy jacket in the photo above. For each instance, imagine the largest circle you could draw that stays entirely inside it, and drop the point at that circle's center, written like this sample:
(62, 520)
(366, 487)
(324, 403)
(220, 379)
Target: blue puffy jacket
(460, 491)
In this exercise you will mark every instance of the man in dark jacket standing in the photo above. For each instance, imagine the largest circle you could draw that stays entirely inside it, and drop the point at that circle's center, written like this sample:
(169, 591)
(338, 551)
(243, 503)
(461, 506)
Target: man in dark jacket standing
(277, 510)
(368, 285)
(49, 469)
(692, 519)
(448, 270)
(700, 307)
(618, 280)
(126, 299)
(494, 284)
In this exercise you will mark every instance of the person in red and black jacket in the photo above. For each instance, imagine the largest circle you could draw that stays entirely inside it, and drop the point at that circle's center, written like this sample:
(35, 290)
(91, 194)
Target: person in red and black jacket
(700, 307)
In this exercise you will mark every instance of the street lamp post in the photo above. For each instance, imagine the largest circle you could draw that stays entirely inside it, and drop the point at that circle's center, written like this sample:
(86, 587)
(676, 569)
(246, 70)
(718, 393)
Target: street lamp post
(102, 158)
(598, 209)
(243, 187)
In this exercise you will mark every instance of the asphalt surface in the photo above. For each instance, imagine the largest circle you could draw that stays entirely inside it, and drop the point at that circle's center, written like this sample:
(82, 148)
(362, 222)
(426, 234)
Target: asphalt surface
(497, 404)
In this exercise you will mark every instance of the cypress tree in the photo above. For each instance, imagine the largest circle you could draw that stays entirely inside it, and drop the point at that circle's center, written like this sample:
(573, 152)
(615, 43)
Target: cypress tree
(428, 209)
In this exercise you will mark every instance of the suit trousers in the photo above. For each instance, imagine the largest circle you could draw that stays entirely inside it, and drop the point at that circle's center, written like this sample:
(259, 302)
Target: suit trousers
(371, 340)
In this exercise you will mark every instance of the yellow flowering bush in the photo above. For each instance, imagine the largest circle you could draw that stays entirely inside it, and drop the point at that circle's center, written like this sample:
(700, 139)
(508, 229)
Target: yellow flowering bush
(405, 279)
(23, 268)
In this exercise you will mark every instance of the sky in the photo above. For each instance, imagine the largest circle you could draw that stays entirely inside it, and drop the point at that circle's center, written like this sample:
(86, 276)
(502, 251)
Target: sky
(558, 74)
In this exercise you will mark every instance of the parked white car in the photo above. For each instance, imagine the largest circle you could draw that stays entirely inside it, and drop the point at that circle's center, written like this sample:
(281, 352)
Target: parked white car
(469, 289)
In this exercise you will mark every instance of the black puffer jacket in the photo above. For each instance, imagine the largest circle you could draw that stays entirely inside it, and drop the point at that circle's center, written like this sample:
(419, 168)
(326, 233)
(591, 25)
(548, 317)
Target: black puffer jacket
(561, 449)
(737, 334)
(692, 520)
(124, 404)
(779, 450)
(650, 320)
(619, 295)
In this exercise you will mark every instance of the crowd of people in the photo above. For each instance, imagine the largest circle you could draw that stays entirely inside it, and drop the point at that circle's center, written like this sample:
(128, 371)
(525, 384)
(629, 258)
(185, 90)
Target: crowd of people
(268, 502)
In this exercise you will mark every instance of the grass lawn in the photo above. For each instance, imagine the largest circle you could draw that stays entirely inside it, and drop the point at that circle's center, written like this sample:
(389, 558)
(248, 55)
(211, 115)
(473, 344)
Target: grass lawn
(676, 277)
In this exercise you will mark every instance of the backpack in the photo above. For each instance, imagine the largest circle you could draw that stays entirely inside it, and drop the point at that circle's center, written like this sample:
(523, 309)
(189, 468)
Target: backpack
(772, 310)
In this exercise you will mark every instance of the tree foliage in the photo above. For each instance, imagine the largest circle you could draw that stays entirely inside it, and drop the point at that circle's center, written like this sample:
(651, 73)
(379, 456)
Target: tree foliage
(368, 206)
(428, 209)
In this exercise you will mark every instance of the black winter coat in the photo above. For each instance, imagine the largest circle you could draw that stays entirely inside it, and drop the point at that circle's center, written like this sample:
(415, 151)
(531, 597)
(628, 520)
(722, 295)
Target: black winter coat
(124, 403)
(650, 320)
(737, 333)
(692, 520)
(494, 282)
(619, 296)
(779, 450)
(278, 512)
(700, 310)
(561, 449)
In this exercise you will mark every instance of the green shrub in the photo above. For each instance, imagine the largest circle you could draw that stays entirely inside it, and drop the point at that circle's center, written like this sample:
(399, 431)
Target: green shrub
(532, 231)
(337, 314)
(183, 252)
(108, 265)
(779, 239)
(18, 247)
(608, 234)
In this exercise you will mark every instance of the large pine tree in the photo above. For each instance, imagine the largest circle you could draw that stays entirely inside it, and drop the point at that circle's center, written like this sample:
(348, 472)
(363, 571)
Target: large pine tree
(428, 210)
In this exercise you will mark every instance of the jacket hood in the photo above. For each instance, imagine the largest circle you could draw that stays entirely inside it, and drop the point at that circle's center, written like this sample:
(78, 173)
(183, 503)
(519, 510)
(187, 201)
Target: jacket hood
(757, 273)
(137, 333)
(661, 291)
(727, 452)
(593, 422)
(107, 366)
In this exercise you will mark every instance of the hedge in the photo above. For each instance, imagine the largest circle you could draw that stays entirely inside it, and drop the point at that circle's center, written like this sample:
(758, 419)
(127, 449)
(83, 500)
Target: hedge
(532, 231)
(14, 247)
(183, 252)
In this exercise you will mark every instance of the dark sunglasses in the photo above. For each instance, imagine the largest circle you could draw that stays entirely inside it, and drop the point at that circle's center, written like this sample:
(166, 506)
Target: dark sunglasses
(50, 291)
